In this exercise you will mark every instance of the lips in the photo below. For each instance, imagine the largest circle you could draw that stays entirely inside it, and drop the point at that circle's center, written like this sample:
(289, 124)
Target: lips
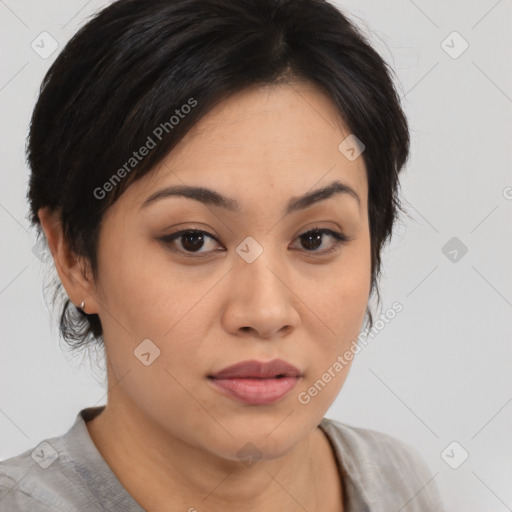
(258, 370)
(256, 383)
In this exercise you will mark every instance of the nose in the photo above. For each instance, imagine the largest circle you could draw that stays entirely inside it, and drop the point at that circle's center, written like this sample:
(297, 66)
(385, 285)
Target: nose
(261, 301)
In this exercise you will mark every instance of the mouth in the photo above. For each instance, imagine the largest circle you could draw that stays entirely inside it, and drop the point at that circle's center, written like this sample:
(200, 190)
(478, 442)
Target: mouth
(257, 383)
(258, 370)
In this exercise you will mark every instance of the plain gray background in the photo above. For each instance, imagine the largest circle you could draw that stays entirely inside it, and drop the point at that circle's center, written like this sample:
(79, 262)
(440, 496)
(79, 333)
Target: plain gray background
(439, 372)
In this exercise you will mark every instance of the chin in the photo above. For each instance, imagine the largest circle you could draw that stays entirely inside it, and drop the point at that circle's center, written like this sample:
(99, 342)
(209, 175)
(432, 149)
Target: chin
(265, 443)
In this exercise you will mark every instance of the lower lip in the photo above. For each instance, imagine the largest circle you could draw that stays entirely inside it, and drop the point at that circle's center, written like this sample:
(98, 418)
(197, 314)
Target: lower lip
(256, 391)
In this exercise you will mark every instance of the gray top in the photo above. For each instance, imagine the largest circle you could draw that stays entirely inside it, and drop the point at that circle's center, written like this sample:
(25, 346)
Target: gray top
(380, 474)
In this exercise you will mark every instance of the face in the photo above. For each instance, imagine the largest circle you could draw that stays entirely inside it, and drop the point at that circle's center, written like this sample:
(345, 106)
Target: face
(254, 283)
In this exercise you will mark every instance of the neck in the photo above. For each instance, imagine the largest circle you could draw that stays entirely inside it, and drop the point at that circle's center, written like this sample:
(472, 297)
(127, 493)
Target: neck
(162, 472)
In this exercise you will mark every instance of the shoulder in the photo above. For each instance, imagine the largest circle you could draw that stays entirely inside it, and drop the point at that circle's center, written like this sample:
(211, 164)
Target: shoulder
(44, 477)
(383, 469)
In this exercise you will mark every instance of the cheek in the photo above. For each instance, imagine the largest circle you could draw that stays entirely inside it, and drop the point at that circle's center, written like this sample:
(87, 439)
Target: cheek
(339, 302)
(340, 295)
(140, 295)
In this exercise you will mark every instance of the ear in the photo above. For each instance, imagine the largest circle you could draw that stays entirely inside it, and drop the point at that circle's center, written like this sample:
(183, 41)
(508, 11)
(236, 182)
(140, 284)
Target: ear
(74, 272)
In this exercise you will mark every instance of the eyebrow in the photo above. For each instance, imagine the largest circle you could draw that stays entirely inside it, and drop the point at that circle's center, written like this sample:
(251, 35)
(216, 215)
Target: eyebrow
(211, 197)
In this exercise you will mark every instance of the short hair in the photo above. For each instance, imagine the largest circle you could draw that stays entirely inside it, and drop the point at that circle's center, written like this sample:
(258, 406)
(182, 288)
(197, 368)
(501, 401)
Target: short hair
(135, 64)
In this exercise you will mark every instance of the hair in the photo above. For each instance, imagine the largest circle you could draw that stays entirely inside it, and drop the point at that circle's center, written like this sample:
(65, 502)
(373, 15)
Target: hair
(135, 64)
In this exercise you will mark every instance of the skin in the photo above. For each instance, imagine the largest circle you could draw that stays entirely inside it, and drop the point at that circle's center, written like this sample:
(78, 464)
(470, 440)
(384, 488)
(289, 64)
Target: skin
(168, 435)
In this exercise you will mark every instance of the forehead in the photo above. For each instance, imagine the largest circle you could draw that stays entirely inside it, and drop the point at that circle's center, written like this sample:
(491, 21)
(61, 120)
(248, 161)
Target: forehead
(293, 118)
(265, 139)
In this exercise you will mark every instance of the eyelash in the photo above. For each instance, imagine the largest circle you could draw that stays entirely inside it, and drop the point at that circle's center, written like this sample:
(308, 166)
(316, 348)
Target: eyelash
(339, 239)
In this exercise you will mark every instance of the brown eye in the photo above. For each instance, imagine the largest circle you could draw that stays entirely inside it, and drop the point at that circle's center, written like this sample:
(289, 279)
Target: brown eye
(192, 241)
(189, 241)
(313, 239)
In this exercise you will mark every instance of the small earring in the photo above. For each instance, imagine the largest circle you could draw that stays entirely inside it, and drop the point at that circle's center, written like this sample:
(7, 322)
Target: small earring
(82, 305)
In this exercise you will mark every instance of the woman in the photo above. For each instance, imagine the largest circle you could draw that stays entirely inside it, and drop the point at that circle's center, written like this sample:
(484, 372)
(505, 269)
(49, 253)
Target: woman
(215, 181)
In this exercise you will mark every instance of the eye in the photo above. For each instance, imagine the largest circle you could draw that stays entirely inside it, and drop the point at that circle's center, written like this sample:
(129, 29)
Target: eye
(192, 241)
(314, 238)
